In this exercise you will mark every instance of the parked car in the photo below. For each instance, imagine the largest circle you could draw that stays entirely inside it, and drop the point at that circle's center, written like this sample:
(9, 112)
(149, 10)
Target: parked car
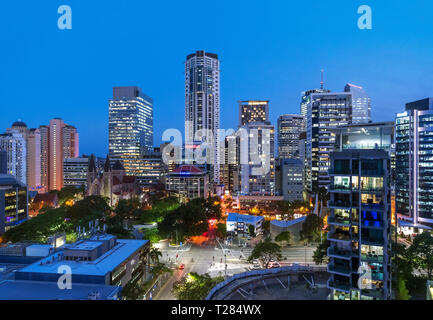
(181, 266)
(256, 266)
(274, 265)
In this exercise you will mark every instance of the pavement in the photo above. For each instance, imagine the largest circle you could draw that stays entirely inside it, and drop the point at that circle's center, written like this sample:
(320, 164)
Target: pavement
(210, 256)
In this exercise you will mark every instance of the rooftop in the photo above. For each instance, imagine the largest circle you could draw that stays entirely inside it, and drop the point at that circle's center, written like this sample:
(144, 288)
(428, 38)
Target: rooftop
(35, 290)
(100, 266)
(237, 217)
(288, 223)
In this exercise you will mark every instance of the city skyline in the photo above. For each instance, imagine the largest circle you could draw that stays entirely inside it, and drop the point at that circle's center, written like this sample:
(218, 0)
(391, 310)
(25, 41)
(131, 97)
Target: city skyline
(388, 62)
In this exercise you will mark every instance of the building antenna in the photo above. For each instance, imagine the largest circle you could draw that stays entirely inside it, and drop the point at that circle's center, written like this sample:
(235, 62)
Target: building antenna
(321, 82)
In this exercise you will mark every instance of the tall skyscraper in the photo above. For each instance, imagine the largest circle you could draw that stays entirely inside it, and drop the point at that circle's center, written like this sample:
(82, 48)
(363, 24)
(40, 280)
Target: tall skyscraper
(130, 123)
(257, 169)
(58, 141)
(414, 164)
(361, 104)
(202, 104)
(325, 111)
(33, 156)
(130, 128)
(290, 127)
(253, 111)
(34, 159)
(306, 98)
(14, 143)
(360, 224)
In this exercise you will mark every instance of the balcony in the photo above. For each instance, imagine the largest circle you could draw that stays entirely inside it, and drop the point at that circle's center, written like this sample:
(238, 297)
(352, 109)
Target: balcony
(377, 293)
(370, 257)
(342, 254)
(374, 224)
(339, 204)
(372, 241)
(339, 172)
(339, 285)
(372, 206)
(377, 172)
(372, 189)
(339, 269)
(339, 188)
(339, 220)
(335, 236)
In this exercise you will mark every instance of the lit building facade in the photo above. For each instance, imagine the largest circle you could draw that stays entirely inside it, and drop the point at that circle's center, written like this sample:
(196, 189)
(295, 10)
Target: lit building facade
(230, 167)
(58, 141)
(253, 111)
(257, 169)
(325, 112)
(289, 128)
(14, 143)
(292, 179)
(360, 223)
(75, 172)
(361, 104)
(13, 202)
(187, 182)
(202, 104)
(130, 127)
(34, 160)
(414, 164)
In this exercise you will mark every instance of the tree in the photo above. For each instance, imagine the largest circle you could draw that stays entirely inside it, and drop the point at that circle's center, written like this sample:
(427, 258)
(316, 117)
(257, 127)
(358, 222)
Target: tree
(190, 219)
(320, 255)
(265, 251)
(195, 287)
(311, 228)
(221, 230)
(284, 236)
(402, 292)
(132, 291)
(421, 252)
(155, 254)
(251, 230)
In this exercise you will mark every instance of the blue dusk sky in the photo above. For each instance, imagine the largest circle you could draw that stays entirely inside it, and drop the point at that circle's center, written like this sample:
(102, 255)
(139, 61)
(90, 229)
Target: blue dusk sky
(269, 50)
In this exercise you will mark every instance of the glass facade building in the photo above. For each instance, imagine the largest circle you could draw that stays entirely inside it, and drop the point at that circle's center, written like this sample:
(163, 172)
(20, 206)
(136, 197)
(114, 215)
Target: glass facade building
(414, 164)
(130, 127)
(202, 105)
(361, 104)
(290, 127)
(75, 172)
(13, 202)
(325, 112)
(360, 224)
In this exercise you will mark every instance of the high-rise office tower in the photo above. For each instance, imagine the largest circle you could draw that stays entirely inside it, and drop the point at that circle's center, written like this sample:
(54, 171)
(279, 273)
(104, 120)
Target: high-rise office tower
(130, 128)
(414, 164)
(44, 131)
(290, 127)
(202, 104)
(75, 172)
(325, 111)
(33, 157)
(306, 97)
(361, 104)
(130, 123)
(253, 111)
(360, 224)
(230, 166)
(58, 141)
(14, 143)
(257, 169)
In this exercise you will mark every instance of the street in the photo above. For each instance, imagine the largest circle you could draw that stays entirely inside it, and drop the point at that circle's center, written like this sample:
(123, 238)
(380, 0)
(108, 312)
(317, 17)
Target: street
(205, 255)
